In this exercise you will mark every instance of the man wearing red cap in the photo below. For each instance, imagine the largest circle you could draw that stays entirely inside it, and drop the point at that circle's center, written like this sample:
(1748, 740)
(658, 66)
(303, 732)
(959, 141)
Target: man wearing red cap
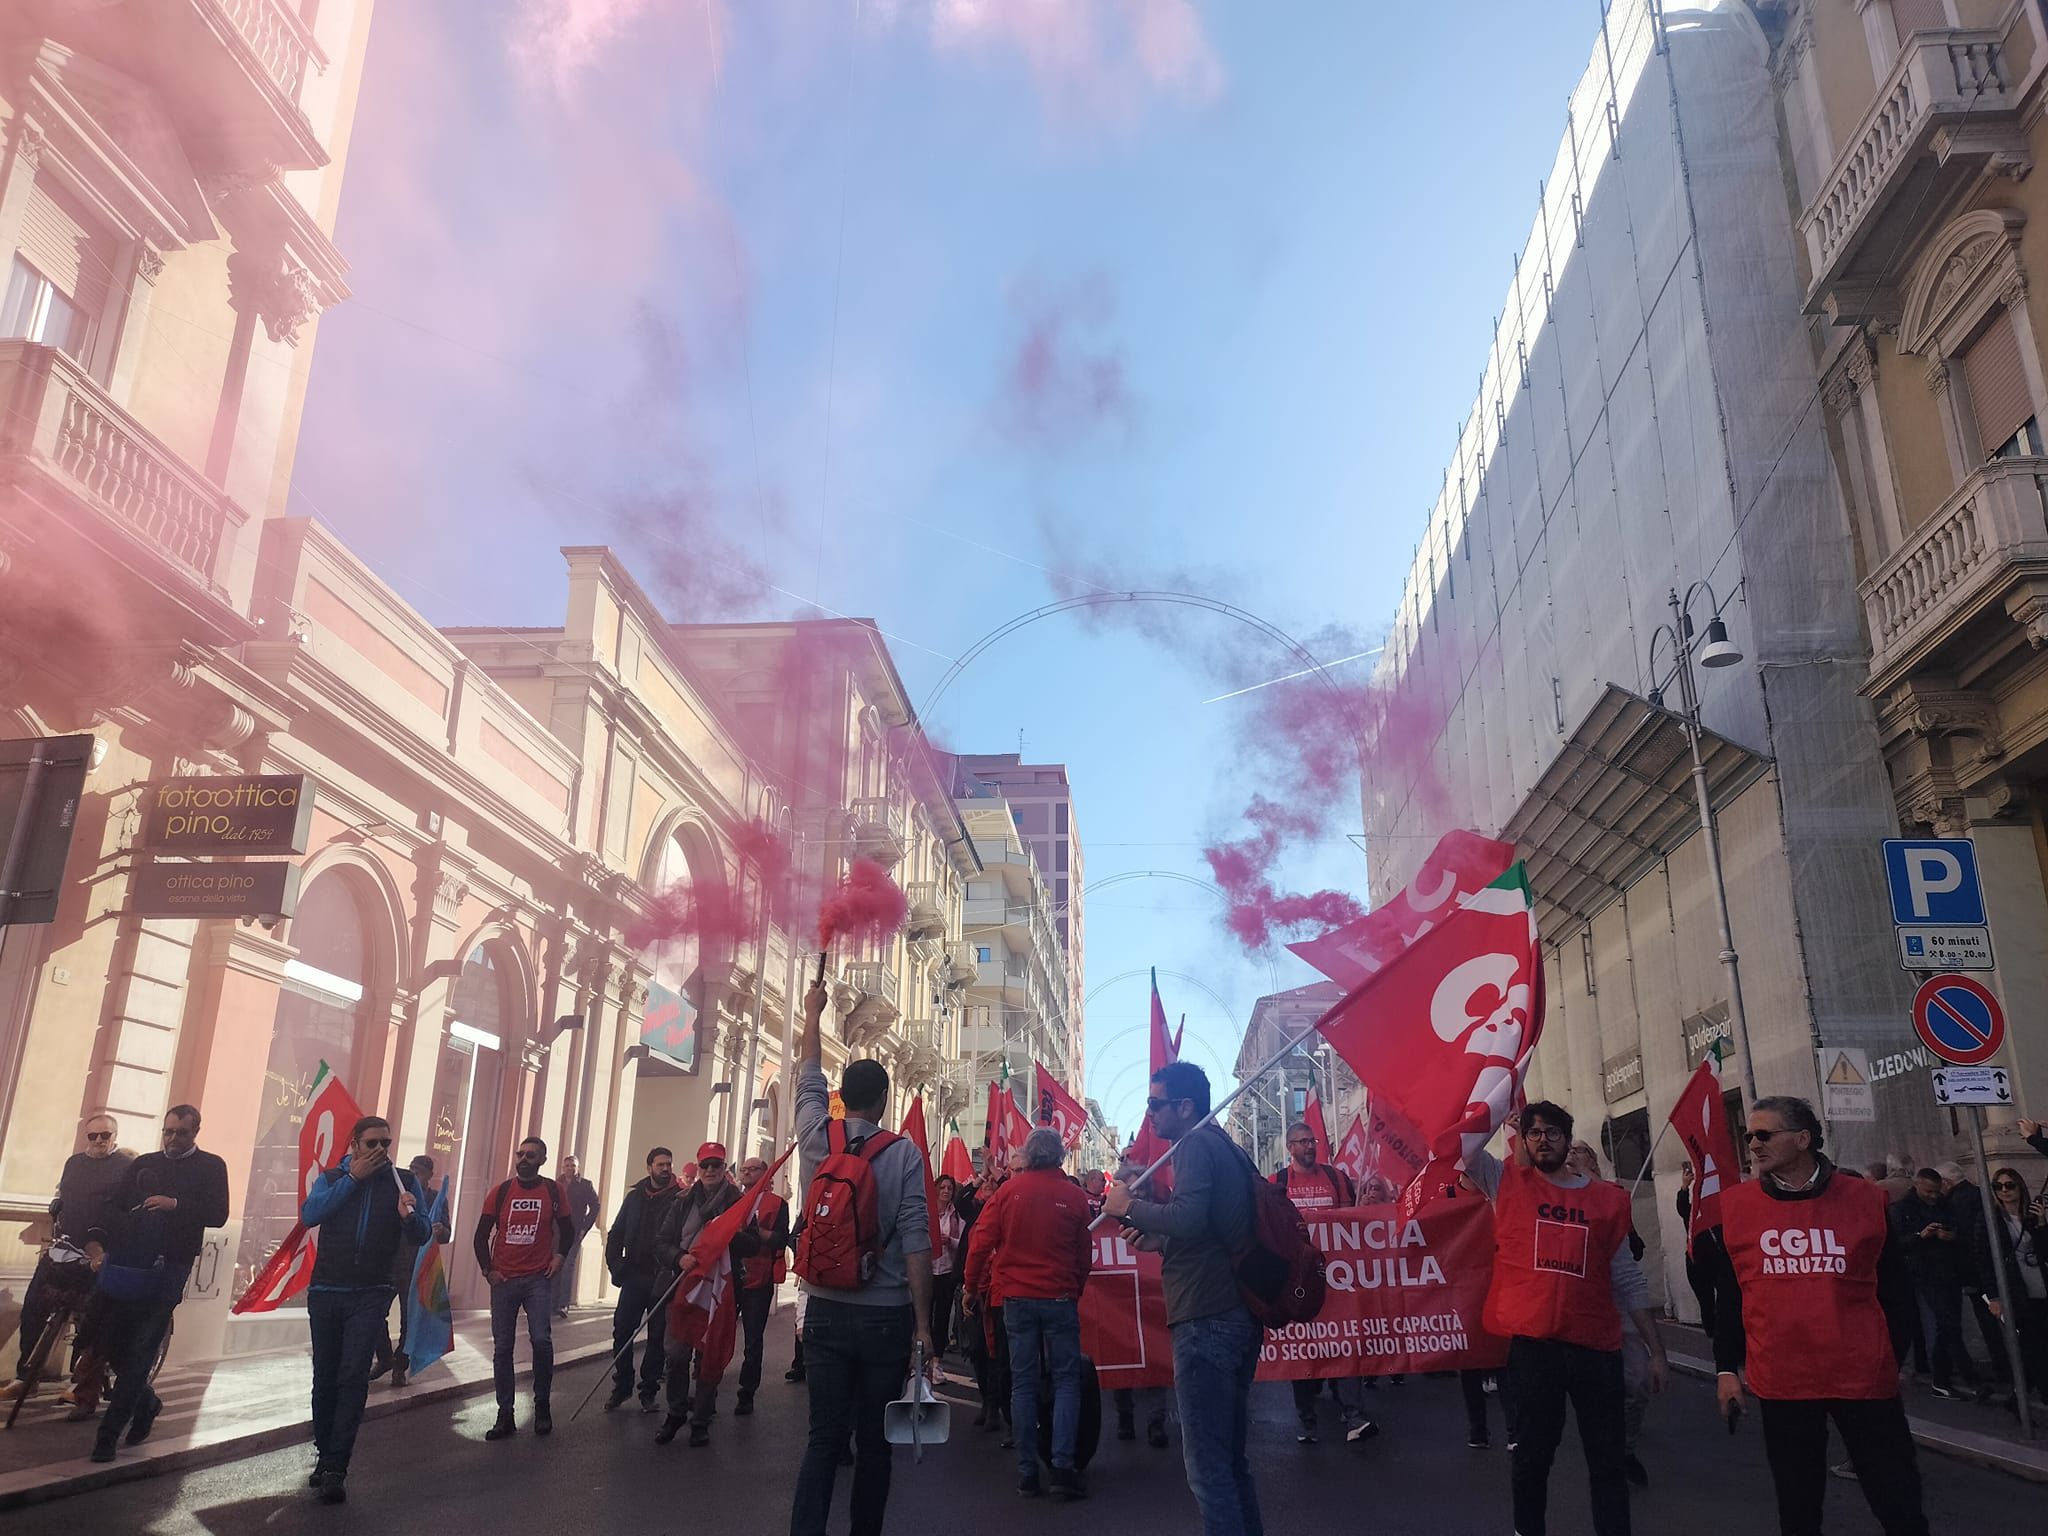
(711, 1196)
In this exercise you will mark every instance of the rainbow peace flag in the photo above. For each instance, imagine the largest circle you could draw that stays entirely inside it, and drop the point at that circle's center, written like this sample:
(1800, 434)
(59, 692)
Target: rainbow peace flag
(430, 1326)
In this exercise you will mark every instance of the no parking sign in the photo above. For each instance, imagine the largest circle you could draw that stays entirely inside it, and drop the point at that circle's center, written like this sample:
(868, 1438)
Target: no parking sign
(1958, 1019)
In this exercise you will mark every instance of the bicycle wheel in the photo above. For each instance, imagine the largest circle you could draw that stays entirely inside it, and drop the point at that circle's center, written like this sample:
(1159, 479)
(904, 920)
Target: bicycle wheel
(38, 1360)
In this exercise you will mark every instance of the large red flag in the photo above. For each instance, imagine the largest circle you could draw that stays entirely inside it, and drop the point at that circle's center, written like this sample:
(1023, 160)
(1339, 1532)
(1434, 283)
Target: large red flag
(331, 1113)
(1016, 1125)
(1148, 1147)
(913, 1130)
(705, 1312)
(1059, 1109)
(1443, 1034)
(959, 1163)
(1351, 1151)
(1398, 1151)
(1461, 863)
(1313, 1114)
(1702, 1124)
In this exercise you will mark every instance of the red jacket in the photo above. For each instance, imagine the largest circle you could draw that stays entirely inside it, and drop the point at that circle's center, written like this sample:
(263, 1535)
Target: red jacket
(1031, 1240)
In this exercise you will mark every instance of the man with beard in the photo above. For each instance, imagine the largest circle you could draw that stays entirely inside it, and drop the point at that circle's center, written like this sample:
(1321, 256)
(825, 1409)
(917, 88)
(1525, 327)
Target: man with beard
(629, 1256)
(522, 1236)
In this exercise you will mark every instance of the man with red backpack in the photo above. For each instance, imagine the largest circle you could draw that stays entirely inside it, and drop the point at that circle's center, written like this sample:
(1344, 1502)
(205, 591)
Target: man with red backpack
(1201, 1229)
(522, 1235)
(1314, 1186)
(864, 1262)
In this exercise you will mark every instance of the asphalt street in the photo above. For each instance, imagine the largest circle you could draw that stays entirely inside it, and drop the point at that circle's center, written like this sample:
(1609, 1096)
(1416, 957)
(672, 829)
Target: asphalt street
(430, 1470)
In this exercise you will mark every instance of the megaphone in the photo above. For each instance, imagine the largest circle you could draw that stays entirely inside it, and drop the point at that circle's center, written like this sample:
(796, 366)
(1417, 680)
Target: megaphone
(918, 1418)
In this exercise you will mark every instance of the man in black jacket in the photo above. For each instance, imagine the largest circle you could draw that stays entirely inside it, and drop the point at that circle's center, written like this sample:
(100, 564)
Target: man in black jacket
(364, 1210)
(629, 1256)
(1929, 1234)
(711, 1196)
(166, 1204)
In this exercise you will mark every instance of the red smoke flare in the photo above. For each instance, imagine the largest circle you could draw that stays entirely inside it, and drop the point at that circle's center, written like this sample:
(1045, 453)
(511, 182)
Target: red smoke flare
(707, 911)
(1244, 870)
(868, 906)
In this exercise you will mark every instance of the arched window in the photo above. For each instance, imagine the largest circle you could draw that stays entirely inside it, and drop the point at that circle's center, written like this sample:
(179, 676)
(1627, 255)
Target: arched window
(319, 1019)
(675, 995)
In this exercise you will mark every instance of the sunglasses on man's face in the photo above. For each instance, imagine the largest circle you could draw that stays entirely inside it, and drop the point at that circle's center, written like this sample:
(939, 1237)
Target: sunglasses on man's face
(710, 1165)
(1153, 1106)
(99, 1135)
(1758, 1138)
(376, 1143)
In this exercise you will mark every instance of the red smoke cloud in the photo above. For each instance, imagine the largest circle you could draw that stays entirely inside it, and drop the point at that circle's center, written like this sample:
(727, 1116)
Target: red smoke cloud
(867, 906)
(1244, 870)
(1064, 382)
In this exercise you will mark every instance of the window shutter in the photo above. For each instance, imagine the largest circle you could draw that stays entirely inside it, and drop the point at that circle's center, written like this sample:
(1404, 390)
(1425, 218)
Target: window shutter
(1997, 380)
(59, 239)
(1912, 16)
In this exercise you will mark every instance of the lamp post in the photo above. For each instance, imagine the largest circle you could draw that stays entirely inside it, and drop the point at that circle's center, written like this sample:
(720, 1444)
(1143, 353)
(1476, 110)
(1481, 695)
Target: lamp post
(1716, 651)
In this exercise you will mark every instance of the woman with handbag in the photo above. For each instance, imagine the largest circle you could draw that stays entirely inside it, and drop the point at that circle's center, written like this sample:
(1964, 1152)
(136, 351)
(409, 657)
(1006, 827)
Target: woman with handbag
(2018, 1242)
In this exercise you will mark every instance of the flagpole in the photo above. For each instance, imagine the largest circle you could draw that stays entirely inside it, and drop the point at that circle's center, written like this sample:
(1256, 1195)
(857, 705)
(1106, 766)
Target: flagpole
(1649, 1161)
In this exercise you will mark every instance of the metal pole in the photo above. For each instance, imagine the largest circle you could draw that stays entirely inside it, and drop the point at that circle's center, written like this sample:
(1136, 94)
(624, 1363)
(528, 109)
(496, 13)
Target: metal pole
(2008, 1319)
(1738, 1017)
(746, 1098)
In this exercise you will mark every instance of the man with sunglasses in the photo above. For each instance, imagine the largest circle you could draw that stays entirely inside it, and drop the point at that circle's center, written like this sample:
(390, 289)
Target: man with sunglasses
(84, 1204)
(711, 1196)
(167, 1203)
(1810, 1300)
(1563, 1281)
(364, 1210)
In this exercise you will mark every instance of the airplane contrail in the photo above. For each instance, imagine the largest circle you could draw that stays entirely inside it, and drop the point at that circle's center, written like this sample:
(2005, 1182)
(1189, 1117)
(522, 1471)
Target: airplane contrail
(1290, 677)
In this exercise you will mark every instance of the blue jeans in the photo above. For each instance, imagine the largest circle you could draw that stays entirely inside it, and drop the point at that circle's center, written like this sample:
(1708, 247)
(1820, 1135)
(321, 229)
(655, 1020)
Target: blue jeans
(1213, 1361)
(855, 1361)
(1058, 1325)
(347, 1327)
(536, 1294)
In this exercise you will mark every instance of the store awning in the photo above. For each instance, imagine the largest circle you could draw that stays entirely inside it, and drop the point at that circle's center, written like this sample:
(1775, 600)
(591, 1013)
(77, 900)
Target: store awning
(1616, 801)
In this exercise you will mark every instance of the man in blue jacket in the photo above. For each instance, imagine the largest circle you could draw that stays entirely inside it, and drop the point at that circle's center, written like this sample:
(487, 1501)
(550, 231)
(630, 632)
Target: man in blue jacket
(364, 1210)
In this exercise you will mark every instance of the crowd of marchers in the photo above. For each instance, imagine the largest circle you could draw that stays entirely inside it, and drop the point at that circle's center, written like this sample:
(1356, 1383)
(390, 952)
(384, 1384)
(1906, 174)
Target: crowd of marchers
(1821, 1287)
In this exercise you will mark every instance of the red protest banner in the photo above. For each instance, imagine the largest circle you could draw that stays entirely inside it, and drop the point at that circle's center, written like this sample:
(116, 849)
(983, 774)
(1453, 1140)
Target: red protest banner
(1406, 1294)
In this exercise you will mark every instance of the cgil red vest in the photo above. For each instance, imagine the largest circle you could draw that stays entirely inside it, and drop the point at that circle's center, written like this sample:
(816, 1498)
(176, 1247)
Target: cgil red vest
(1324, 1189)
(1808, 1271)
(1552, 1249)
(769, 1266)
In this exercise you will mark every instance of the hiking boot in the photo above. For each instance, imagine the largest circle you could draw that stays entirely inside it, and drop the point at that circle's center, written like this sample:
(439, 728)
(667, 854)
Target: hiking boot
(617, 1399)
(1068, 1484)
(650, 1402)
(319, 1471)
(504, 1429)
(145, 1419)
(743, 1406)
(380, 1370)
(670, 1427)
(331, 1489)
(102, 1448)
(794, 1373)
(543, 1419)
(1029, 1485)
(398, 1377)
(700, 1434)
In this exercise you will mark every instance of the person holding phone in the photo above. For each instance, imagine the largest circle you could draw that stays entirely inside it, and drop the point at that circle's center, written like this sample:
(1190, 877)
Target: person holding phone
(1809, 1278)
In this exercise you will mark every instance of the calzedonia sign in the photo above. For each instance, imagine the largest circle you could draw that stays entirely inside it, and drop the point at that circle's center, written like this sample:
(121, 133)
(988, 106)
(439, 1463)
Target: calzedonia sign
(261, 815)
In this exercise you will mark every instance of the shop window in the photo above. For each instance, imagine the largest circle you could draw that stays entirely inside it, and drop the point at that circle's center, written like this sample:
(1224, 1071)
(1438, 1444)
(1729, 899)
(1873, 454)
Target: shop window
(319, 1017)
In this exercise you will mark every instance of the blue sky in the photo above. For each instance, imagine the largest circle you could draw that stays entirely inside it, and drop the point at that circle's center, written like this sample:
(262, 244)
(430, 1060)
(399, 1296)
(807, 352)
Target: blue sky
(926, 312)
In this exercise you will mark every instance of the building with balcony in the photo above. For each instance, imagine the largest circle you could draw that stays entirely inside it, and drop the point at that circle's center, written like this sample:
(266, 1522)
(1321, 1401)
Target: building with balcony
(1913, 128)
(1041, 804)
(1276, 1094)
(1018, 998)
(1646, 421)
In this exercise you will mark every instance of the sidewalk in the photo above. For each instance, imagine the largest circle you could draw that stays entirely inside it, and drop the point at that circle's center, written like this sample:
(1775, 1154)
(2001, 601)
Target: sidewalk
(230, 1408)
(1983, 1434)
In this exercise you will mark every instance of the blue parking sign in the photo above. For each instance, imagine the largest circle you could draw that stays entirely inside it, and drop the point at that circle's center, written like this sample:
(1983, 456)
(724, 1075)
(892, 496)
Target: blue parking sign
(1934, 880)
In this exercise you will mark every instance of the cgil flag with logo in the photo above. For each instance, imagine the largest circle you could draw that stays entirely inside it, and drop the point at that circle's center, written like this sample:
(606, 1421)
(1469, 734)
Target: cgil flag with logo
(704, 1315)
(1443, 1034)
(331, 1113)
(1460, 864)
(1351, 1151)
(1059, 1109)
(1702, 1124)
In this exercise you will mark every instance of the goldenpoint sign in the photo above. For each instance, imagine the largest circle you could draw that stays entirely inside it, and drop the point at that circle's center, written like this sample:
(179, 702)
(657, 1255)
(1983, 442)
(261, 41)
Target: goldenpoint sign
(269, 814)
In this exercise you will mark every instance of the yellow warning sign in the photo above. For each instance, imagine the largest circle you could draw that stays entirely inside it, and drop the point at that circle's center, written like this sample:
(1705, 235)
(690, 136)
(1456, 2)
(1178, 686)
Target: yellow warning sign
(1843, 1073)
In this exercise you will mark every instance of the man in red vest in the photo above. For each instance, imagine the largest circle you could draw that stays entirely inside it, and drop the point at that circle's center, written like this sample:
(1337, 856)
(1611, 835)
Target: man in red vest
(1562, 1278)
(1803, 1300)
(760, 1273)
(1313, 1187)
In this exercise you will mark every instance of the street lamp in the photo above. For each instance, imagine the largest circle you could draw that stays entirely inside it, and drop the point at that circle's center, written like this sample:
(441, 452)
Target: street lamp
(1717, 650)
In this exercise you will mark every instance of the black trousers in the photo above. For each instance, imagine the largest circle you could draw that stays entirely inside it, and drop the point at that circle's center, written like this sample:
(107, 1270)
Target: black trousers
(944, 1288)
(1941, 1318)
(1544, 1375)
(637, 1295)
(1880, 1449)
(1473, 1385)
(754, 1307)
